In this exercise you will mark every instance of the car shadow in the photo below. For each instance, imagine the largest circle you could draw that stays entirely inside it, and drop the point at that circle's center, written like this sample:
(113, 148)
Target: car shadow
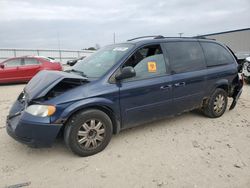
(167, 121)
(59, 148)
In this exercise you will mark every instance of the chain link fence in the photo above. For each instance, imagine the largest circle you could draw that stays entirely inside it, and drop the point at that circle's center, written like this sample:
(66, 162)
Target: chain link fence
(60, 55)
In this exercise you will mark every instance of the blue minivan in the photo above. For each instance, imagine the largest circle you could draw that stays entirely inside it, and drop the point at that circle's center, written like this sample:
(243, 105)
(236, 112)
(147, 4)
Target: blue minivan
(122, 86)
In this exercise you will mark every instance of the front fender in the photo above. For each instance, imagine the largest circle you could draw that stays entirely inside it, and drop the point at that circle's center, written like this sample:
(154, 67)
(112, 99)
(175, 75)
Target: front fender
(86, 103)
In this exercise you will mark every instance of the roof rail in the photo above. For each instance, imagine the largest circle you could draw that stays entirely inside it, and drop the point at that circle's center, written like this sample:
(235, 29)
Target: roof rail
(151, 36)
(202, 37)
(194, 37)
(199, 37)
(162, 37)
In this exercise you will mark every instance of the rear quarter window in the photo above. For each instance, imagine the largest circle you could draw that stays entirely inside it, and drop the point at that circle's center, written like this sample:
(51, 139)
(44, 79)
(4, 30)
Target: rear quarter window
(216, 54)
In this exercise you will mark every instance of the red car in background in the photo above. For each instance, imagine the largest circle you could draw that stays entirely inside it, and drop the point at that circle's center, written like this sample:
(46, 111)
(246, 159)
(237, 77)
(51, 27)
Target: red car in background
(22, 69)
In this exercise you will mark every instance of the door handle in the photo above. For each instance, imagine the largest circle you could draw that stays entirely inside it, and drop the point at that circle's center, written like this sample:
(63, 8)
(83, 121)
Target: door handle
(180, 84)
(165, 87)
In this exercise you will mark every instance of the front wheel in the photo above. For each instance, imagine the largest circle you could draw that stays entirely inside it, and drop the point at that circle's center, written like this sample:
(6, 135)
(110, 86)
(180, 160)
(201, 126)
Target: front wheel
(88, 132)
(217, 104)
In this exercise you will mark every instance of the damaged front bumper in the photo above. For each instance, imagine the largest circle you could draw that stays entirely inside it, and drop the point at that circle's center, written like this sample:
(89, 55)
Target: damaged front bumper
(30, 130)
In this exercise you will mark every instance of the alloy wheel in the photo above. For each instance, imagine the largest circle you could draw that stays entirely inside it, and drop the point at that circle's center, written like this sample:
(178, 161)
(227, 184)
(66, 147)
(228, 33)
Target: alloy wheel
(91, 134)
(219, 103)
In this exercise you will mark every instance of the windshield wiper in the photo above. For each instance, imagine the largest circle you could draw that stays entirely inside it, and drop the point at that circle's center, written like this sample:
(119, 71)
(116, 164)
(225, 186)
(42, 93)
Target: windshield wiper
(80, 72)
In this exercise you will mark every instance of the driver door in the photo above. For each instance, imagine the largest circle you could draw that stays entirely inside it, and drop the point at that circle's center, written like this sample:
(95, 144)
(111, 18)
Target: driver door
(148, 95)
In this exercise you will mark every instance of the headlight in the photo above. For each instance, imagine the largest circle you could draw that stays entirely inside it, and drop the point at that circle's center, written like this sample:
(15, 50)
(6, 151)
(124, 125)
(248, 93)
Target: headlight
(41, 110)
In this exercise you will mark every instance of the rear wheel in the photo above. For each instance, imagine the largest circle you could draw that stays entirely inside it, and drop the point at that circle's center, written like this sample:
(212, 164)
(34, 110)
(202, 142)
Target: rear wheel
(217, 104)
(88, 132)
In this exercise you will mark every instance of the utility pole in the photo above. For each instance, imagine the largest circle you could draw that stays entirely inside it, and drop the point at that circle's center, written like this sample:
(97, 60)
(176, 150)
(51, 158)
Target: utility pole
(58, 41)
(59, 47)
(180, 34)
(114, 38)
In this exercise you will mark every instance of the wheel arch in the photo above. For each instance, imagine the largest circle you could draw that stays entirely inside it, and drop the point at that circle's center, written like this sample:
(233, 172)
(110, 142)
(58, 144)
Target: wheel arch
(222, 84)
(224, 87)
(106, 107)
(107, 110)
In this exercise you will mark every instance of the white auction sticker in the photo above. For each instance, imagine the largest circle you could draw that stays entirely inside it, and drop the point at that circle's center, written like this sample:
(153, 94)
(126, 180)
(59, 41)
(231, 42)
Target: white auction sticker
(122, 49)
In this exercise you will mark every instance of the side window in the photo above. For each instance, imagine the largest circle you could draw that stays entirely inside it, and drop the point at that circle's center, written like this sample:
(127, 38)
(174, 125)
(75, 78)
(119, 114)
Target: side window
(30, 61)
(185, 56)
(13, 63)
(148, 62)
(216, 54)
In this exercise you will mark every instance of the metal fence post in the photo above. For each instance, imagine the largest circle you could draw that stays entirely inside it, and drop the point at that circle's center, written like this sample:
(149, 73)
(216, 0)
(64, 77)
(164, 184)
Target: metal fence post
(14, 50)
(60, 55)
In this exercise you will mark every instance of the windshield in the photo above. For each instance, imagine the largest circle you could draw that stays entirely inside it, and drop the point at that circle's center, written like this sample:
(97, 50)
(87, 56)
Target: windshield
(101, 61)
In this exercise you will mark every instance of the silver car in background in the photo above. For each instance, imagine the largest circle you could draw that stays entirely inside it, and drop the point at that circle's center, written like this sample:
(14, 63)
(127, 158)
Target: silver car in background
(246, 70)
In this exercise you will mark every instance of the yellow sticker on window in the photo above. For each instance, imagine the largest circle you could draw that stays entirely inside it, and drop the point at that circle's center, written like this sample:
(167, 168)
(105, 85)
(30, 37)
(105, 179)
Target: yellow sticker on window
(152, 66)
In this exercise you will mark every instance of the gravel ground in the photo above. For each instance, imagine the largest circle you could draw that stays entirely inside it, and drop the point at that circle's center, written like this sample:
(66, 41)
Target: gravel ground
(189, 150)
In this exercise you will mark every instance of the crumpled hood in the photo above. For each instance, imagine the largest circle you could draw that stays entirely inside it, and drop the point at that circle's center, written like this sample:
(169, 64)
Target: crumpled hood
(45, 80)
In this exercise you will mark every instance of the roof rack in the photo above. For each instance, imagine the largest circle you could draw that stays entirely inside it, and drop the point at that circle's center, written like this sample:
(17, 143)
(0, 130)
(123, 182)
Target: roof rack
(150, 36)
(162, 37)
(194, 37)
(202, 37)
(199, 37)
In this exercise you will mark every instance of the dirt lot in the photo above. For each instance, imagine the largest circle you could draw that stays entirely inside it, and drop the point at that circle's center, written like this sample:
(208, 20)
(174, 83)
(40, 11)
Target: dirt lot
(189, 150)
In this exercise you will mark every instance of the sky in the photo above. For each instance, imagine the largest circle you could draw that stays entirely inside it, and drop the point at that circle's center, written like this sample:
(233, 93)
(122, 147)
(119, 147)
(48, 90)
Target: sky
(78, 24)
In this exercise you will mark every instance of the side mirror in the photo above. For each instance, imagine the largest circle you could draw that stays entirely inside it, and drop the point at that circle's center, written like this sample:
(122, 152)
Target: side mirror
(126, 72)
(2, 66)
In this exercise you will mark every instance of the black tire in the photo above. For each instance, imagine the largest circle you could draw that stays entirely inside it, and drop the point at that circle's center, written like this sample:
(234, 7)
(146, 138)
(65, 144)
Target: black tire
(210, 109)
(77, 132)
